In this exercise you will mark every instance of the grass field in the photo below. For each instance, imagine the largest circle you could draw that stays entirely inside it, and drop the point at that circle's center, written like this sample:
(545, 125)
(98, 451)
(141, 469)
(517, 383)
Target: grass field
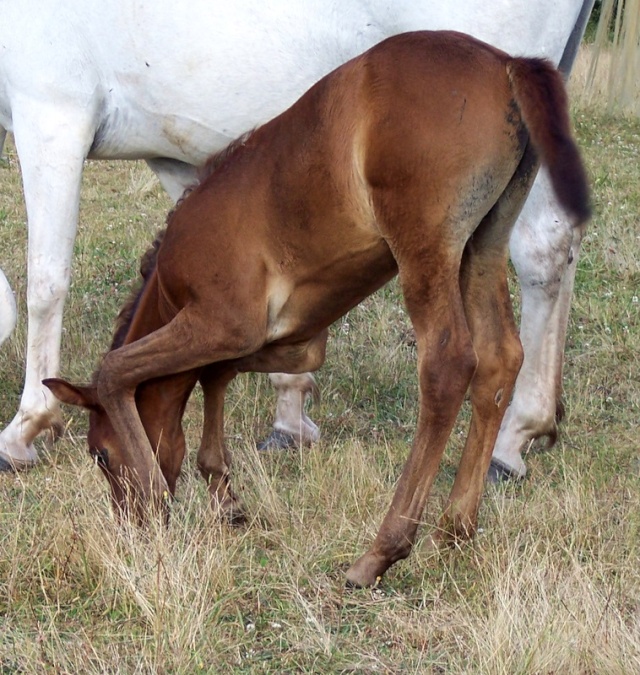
(550, 585)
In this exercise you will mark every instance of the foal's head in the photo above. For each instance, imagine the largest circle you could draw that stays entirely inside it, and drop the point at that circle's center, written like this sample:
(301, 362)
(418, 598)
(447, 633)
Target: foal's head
(104, 446)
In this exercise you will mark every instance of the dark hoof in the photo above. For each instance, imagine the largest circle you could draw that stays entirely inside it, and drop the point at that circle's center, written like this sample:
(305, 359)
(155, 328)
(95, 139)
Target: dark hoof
(277, 440)
(6, 466)
(9, 465)
(235, 518)
(501, 473)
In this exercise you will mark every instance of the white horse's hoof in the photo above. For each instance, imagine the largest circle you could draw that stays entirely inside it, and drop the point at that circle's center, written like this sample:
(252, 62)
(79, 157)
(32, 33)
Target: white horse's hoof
(11, 464)
(277, 440)
(499, 472)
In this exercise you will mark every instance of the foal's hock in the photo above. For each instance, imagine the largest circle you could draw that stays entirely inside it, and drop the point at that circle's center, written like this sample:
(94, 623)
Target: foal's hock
(414, 158)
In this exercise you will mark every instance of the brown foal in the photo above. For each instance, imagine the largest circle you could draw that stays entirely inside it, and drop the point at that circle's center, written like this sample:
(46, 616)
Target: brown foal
(413, 159)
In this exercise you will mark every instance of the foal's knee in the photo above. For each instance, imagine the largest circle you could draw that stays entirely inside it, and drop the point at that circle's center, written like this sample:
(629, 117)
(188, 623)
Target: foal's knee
(109, 378)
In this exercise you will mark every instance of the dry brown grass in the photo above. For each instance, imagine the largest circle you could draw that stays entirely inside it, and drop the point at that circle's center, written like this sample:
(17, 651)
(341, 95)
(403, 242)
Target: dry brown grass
(552, 583)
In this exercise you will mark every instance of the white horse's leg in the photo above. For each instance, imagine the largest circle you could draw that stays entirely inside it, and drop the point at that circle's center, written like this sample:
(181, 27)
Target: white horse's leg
(3, 136)
(544, 250)
(8, 312)
(292, 426)
(52, 142)
(174, 176)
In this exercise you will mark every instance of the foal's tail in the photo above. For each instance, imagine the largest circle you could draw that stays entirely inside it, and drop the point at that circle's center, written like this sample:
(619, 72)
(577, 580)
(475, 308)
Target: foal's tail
(541, 96)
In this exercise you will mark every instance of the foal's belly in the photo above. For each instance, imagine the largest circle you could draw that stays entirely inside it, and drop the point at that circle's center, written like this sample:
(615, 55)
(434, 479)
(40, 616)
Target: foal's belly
(299, 308)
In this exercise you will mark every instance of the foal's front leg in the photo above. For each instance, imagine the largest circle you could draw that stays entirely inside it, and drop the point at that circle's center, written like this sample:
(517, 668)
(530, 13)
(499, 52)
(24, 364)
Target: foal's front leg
(214, 460)
(175, 348)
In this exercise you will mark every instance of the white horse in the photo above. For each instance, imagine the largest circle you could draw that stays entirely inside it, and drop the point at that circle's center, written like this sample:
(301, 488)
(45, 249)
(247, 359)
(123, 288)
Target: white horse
(173, 81)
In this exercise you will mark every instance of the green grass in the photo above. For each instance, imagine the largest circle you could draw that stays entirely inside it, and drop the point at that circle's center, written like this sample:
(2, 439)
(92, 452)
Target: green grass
(551, 584)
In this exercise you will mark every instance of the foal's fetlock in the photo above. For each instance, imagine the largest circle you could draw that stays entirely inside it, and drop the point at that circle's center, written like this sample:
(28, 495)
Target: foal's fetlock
(454, 529)
(229, 510)
(54, 428)
(226, 506)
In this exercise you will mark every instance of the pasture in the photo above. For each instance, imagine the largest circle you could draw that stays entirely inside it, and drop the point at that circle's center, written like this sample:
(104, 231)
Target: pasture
(551, 584)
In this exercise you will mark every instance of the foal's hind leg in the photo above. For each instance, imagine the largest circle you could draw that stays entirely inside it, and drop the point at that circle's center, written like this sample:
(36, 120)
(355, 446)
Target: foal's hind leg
(489, 312)
(446, 363)
(495, 340)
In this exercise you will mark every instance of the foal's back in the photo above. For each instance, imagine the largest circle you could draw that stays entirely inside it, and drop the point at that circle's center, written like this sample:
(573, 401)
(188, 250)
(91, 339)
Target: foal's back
(408, 145)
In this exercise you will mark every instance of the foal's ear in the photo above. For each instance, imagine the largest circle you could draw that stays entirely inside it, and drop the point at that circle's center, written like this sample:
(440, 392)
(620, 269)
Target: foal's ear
(84, 397)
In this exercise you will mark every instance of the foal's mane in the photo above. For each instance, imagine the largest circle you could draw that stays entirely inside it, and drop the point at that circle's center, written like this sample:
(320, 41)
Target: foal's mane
(217, 160)
(148, 260)
(147, 265)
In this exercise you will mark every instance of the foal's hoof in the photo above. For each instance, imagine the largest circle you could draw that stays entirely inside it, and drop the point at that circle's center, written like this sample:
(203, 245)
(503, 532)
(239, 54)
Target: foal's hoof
(367, 571)
(277, 440)
(230, 512)
(501, 473)
(235, 517)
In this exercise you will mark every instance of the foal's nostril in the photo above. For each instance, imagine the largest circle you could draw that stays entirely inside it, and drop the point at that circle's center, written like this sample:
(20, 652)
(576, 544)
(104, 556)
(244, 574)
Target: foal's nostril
(100, 456)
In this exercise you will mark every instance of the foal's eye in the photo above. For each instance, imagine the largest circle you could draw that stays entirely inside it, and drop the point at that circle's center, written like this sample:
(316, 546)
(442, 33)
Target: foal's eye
(100, 456)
